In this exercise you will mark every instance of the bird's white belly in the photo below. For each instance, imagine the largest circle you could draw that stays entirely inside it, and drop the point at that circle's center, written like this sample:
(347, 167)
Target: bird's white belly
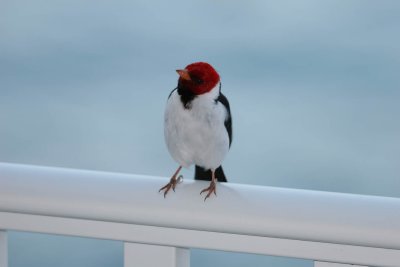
(197, 135)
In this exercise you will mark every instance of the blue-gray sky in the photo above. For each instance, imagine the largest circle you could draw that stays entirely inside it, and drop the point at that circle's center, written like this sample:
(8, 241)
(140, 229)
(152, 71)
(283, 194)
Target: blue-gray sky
(313, 85)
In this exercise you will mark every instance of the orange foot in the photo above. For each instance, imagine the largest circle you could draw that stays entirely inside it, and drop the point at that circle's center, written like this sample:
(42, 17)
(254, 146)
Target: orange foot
(172, 184)
(211, 189)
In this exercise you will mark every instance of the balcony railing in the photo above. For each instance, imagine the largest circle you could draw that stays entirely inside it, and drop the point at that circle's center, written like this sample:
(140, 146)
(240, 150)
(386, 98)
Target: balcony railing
(333, 229)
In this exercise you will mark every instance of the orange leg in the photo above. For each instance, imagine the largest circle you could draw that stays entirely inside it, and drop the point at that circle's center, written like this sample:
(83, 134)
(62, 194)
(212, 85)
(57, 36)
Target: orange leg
(212, 188)
(173, 182)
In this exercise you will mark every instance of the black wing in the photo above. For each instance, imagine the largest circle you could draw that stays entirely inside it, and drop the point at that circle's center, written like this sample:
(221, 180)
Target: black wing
(172, 92)
(228, 122)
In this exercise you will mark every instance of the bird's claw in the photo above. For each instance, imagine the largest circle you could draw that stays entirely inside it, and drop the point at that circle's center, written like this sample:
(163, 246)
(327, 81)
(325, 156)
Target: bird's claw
(180, 179)
(211, 189)
(167, 187)
(172, 184)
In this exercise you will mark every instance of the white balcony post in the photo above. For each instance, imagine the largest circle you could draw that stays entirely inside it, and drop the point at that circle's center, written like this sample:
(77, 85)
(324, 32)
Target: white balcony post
(3, 249)
(332, 264)
(144, 255)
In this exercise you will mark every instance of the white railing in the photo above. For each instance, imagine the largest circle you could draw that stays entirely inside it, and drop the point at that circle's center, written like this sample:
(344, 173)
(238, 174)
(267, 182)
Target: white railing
(333, 229)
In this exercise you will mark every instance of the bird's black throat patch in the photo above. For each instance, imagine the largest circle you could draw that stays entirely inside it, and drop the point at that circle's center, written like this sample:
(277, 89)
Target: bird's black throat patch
(186, 96)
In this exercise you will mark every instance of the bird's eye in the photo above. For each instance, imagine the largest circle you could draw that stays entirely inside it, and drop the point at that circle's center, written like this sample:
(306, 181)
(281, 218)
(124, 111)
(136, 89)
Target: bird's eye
(198, 80)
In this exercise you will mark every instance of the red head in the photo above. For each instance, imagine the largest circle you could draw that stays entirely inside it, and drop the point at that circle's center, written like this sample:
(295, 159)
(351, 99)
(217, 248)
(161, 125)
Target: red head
(199, 78)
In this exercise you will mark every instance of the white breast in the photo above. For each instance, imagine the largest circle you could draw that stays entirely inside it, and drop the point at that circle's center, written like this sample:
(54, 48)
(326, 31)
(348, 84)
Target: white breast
(197, 135)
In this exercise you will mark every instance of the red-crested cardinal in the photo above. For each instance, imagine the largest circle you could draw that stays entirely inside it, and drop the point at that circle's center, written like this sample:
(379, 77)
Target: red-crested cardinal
(198, 125)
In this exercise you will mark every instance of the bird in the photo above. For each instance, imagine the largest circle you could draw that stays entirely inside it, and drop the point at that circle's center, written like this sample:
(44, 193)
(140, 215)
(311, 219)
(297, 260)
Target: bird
(198, 126)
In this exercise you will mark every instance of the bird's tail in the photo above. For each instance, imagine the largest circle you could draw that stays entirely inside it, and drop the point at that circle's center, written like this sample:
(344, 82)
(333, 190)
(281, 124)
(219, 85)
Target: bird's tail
(205, 175)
